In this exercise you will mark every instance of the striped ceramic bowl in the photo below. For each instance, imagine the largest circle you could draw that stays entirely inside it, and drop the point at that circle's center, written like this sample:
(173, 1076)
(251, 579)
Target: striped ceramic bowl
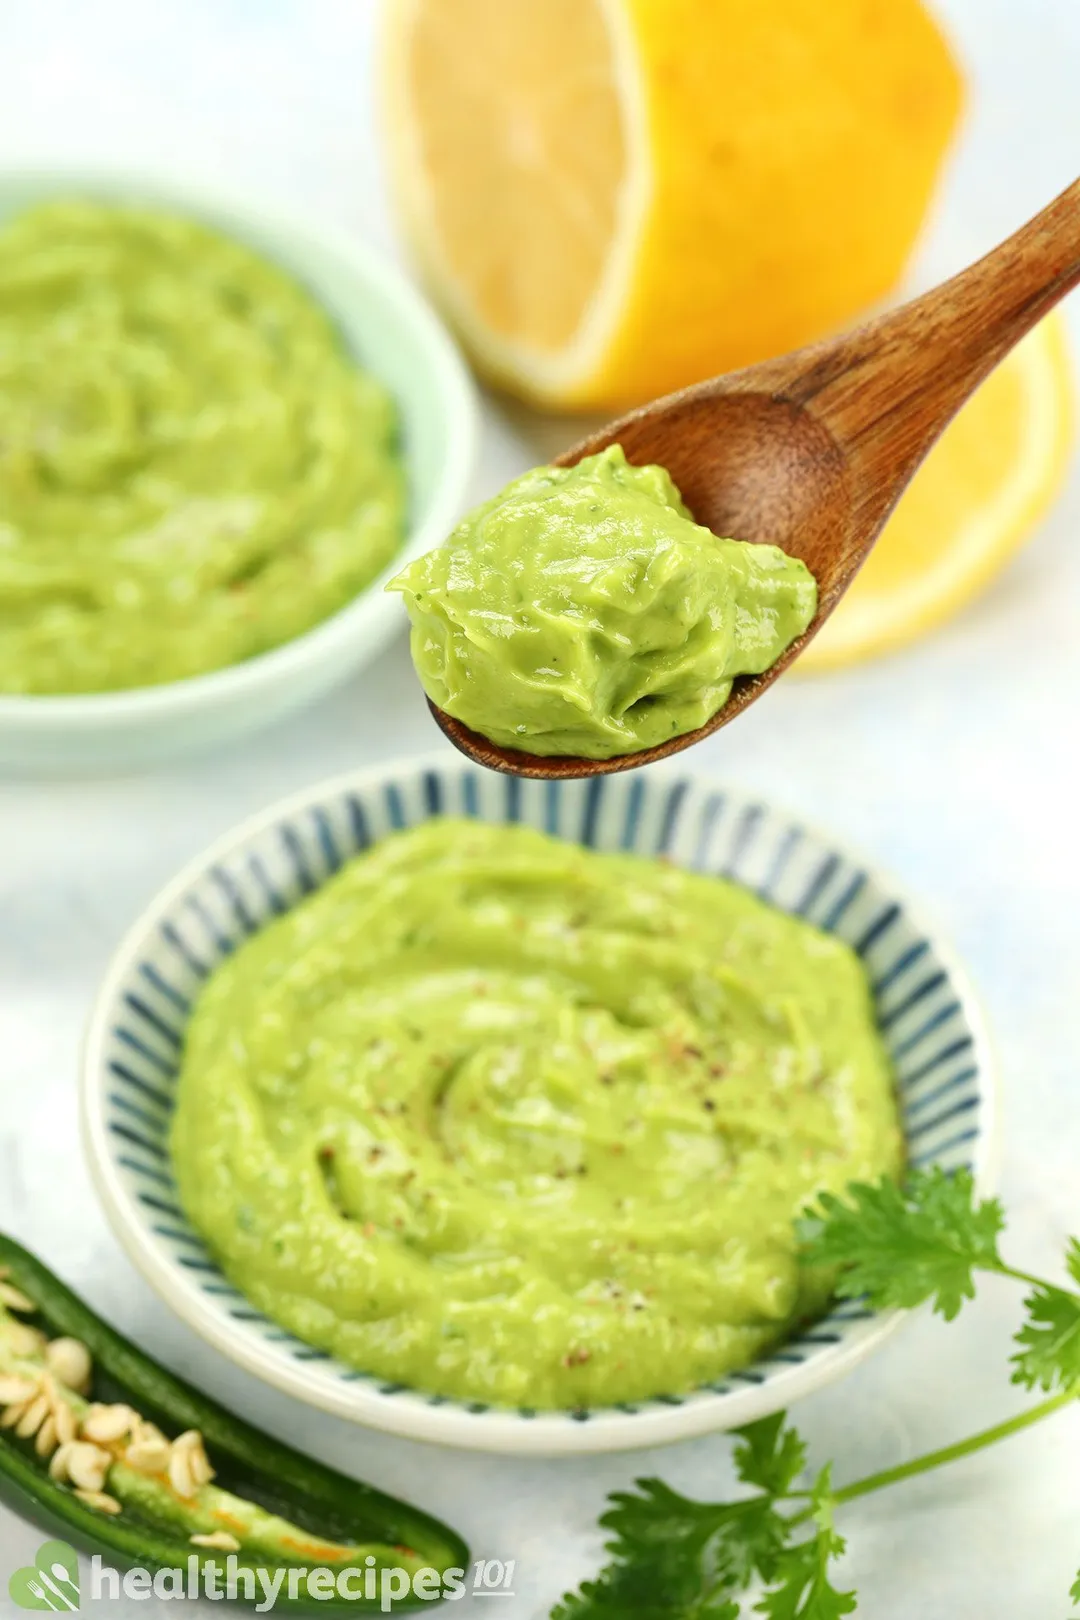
(930, 1022)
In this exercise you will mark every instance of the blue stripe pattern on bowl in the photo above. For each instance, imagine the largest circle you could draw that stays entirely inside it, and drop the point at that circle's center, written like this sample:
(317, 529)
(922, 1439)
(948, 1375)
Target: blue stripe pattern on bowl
(923, 1009)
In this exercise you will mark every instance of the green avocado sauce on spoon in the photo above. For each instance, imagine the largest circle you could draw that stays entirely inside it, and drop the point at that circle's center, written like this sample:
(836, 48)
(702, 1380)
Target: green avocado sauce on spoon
(583, 612)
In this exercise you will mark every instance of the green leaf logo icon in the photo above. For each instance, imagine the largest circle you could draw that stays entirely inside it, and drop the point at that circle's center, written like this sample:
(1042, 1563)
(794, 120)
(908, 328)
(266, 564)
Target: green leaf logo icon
(51, 1582)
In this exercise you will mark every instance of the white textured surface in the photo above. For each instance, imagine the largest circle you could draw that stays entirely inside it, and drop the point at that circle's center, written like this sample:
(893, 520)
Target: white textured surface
(953, 764)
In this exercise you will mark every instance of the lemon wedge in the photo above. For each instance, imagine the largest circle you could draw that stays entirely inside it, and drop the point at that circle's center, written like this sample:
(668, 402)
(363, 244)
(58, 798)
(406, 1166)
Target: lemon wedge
(971, 505)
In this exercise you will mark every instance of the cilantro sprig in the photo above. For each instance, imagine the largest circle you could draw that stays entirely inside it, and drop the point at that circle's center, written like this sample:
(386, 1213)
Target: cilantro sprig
(770, 1552)
(901, 1246)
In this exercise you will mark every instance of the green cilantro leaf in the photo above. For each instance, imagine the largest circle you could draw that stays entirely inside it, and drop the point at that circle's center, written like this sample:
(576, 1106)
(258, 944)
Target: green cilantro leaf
(623, 1590)
(1072, 1259)
(802, 1589)
(1049, 1340)
(769, 1455)
(901, 1246)
(676, 1559)
(805, 1591)
(1074, 1591)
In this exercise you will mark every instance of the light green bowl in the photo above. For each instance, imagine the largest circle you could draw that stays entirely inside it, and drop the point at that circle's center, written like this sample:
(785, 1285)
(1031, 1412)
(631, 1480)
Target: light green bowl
(394, 335)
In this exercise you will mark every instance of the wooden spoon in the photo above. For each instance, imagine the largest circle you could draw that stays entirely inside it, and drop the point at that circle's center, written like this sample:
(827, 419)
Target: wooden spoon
(813, 450)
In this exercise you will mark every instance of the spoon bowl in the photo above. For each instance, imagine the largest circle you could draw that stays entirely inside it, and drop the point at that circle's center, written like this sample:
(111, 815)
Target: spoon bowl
(812, 451)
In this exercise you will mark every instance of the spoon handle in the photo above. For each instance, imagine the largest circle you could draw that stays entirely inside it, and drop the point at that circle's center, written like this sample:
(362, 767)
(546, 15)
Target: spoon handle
(887, 391)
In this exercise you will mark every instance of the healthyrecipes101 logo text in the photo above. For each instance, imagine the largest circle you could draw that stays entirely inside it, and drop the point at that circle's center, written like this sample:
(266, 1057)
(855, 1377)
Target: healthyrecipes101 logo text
(52, 1582)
